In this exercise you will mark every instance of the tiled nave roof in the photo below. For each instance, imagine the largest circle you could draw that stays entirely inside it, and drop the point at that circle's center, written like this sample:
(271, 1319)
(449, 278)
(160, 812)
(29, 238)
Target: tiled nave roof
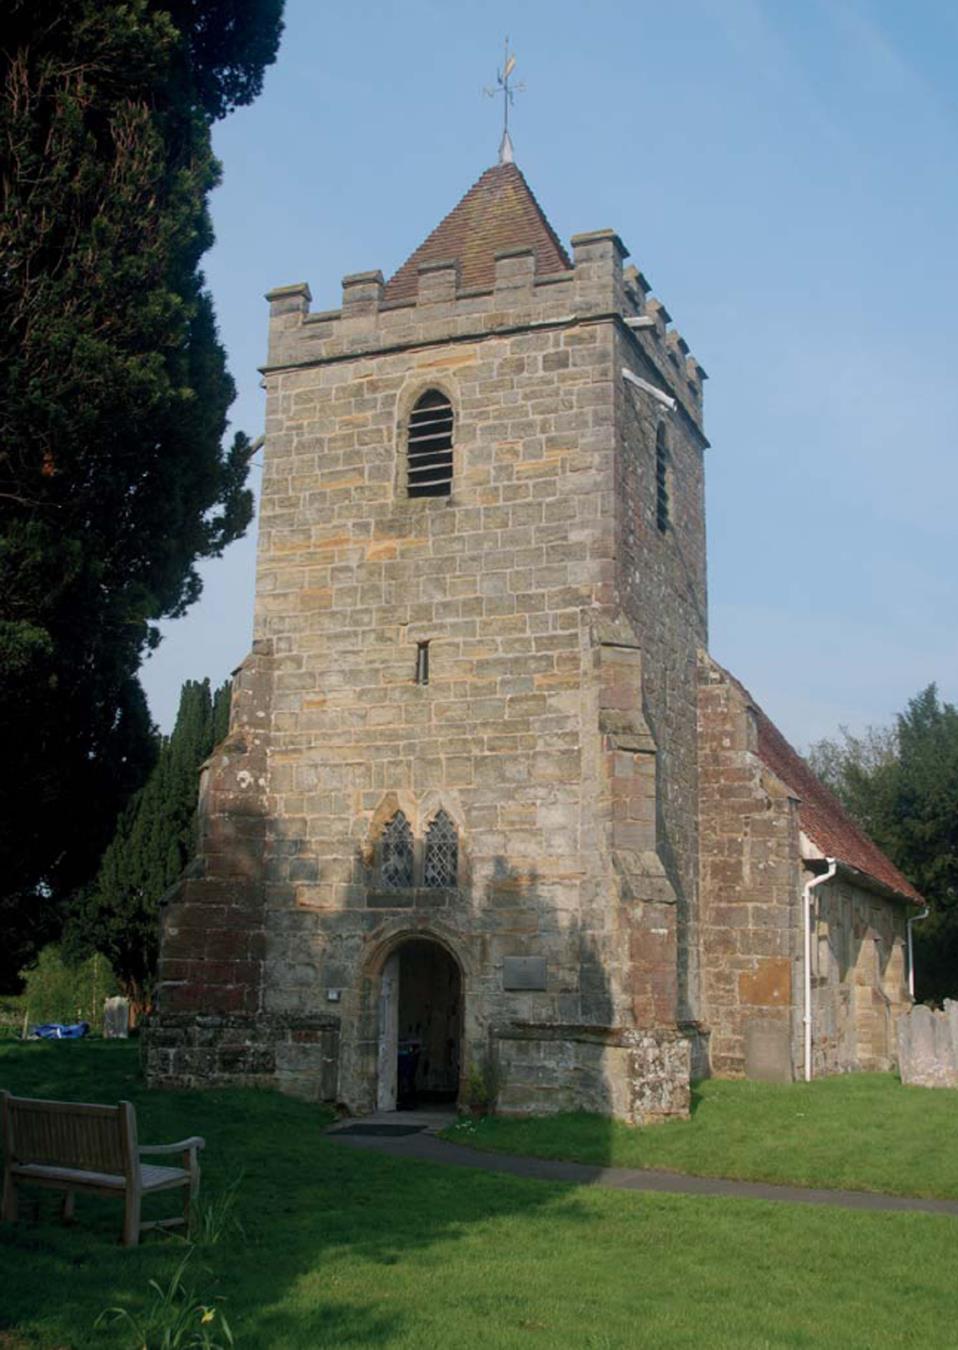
(820, 814)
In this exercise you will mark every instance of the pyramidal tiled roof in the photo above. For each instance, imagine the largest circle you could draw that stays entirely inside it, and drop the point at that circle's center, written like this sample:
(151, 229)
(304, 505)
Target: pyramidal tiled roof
(497, 214)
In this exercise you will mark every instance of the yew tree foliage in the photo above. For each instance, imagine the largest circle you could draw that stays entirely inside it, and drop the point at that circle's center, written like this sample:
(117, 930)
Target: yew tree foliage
(118, 915)
(901, 784)
(113, 400)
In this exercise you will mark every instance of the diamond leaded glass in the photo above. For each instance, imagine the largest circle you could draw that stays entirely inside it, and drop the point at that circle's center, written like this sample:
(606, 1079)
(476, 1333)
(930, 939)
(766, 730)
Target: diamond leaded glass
(441, 865)
(396, 854)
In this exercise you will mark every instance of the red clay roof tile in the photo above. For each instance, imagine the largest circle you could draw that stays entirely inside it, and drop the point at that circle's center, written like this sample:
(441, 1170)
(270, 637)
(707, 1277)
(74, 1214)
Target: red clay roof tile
(821, 815)
(497, 214)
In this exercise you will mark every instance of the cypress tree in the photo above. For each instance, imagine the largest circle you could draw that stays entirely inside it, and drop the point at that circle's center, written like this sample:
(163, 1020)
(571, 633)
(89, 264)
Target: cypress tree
(155, 839)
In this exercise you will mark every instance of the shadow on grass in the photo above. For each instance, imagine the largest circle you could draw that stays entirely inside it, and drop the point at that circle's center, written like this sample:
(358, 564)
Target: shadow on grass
(585, 1137)
(311, 1209)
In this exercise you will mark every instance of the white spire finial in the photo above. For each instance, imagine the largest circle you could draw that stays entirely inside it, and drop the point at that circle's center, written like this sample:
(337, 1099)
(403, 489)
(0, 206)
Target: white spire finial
(509, 91)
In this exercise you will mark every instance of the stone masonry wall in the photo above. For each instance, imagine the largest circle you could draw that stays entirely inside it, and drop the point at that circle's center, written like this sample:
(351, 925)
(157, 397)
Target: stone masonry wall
(750, 883)
(661, 587)
(213, 1027)
(641, 1077)
(213, 923)
(299, 1055)
(752, 879)
(859, 978)
(500, 579)
(512, 581)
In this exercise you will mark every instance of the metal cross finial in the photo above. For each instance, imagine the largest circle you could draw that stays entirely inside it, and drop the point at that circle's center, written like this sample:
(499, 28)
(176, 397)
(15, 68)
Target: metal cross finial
(509, 92)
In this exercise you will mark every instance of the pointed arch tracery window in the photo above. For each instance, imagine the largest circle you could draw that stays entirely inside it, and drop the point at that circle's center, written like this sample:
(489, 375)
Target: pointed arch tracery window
(403, 863)
(396, 854)
(429, 446)
(441, 862)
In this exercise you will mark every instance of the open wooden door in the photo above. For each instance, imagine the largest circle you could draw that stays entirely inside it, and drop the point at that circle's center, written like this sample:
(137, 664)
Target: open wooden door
(388, 1058)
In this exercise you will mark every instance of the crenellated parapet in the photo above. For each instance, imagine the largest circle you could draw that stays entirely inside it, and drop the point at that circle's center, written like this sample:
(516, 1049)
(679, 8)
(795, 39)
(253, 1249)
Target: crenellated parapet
(650, 322)
(441, 309)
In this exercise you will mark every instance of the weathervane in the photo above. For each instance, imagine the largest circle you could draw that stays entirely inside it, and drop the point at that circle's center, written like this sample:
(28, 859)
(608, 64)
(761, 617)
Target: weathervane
(509, 92)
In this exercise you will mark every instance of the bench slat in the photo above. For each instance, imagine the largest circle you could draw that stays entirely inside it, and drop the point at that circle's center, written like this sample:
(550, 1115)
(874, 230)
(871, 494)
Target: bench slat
(67, 1176)
(154, 1178)
(88, 1137)
(151, 1177)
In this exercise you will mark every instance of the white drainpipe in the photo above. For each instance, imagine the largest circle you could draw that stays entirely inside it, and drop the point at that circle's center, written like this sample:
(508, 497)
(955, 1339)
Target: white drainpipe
(807, 907)
(915, 918)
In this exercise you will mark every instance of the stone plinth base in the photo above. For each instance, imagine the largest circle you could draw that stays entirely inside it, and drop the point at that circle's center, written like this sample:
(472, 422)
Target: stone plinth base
(637, 1076)
(298, 1055)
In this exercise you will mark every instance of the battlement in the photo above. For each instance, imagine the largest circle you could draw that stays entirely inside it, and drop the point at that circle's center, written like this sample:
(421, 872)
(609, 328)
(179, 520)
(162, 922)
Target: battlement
(434, 306)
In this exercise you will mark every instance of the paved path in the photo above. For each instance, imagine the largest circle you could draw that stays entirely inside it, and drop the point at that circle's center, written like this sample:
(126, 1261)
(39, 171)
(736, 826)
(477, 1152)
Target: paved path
(424, 1146)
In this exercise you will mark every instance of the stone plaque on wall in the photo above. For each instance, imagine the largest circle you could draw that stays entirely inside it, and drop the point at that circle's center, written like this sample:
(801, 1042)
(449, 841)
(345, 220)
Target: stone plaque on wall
(524, 972)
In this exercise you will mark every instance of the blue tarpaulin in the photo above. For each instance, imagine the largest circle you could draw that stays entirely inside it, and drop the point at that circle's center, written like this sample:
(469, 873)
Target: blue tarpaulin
(59, 1031)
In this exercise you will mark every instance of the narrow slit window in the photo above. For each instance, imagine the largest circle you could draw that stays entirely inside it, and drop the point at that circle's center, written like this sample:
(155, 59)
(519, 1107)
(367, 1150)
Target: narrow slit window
(441, 865)
(422, 662)
(429, 447)
(396, 854)
(662, 503)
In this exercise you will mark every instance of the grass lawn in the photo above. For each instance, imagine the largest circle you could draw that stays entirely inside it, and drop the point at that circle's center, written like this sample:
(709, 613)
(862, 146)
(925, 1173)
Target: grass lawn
(349, 1249)
(863, 1132)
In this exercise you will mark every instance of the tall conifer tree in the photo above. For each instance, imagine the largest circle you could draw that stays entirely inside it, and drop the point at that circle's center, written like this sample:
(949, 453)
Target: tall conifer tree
(901, 785)
(113, 402)
(155, 839)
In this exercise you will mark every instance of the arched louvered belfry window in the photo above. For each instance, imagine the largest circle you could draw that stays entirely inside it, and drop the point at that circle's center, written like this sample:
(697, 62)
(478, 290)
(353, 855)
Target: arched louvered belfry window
(441, 862)
(429, 447)
(396, 854)
(662, 503)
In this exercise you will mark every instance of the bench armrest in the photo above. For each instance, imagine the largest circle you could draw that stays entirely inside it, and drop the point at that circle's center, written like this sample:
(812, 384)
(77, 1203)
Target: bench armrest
(182, 1146)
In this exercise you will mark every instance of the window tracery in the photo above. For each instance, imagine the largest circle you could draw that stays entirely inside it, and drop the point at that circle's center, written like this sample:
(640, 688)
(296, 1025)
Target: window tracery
(396, 854)
(441, 862)
(402, 864)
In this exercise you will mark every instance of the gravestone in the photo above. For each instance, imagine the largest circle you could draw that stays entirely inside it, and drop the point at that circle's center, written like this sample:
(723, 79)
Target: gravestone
(116, 1018)
(768, 1057)
(928, 1046)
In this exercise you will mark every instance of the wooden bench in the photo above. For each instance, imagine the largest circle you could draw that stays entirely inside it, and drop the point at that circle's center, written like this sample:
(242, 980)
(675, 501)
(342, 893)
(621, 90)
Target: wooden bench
(75, 1146)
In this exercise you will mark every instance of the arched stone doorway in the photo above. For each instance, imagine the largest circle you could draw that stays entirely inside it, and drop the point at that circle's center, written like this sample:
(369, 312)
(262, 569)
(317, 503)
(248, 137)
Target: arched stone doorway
(420, 1026)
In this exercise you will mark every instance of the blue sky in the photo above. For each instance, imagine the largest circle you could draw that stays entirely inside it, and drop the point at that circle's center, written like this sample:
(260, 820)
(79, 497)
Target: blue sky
(783, 173)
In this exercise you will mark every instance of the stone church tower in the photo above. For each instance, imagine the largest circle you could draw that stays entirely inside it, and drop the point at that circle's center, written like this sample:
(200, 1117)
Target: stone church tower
(454, 823)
